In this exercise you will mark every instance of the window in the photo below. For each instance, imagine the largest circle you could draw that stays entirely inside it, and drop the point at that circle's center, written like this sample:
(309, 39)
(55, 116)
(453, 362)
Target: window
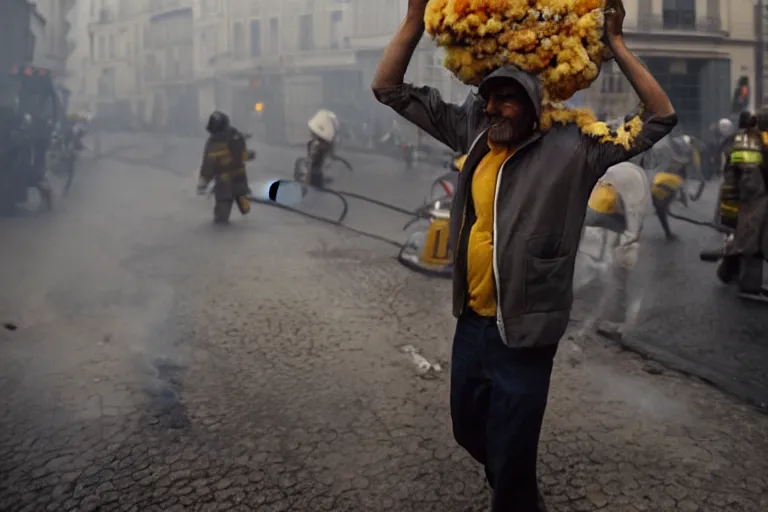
(679, 14)
(239, 41)
(274, 36)
(102, 48)
(83, 75)
(106, 83)
(209, 47)
(112, 49)
(336, 35)
(255, 38)
(306, 33)
(210, 7)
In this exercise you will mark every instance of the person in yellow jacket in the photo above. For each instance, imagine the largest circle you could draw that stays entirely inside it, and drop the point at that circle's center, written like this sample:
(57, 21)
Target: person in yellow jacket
(668, 162)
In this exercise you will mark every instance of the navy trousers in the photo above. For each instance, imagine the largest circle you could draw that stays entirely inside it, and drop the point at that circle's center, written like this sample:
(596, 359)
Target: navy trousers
(498, 398)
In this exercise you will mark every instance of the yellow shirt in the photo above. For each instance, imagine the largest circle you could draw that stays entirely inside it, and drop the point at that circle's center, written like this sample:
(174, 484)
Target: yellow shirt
(480, 280)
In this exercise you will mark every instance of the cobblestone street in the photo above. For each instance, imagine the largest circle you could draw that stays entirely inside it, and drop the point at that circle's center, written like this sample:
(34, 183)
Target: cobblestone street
(162, 364)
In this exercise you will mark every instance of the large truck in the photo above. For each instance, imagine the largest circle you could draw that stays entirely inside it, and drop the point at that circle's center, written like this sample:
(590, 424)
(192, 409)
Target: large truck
(31, 109)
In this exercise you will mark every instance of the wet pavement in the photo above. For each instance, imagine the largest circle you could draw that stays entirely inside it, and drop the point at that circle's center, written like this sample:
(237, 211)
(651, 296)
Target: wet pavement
(162, 364)
(692, 321)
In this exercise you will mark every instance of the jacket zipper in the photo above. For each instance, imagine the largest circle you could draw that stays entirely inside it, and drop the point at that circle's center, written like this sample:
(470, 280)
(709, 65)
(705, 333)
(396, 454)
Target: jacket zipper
(499, 321)
(499, 318)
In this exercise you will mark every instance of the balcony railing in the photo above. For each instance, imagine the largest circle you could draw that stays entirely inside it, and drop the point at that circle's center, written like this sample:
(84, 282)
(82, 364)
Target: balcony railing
(709, 25)
(158, 6)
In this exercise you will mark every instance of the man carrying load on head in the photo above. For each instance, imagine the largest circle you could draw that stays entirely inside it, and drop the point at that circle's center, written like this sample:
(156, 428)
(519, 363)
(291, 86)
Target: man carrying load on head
(516, 222)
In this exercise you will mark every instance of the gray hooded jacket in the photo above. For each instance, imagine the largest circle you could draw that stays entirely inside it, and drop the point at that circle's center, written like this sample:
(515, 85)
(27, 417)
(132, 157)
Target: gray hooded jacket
(541, 200)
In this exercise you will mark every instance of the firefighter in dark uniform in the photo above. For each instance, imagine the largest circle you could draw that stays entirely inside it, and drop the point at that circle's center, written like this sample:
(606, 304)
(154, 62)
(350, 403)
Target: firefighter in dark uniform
(668, 163)
(224, 164)
(743, 208)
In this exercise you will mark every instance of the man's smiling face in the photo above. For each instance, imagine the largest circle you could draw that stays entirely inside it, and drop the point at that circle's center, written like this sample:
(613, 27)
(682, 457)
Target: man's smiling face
(511, 112)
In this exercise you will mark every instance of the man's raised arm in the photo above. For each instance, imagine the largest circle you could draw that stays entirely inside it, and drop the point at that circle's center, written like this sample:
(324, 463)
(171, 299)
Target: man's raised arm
(658, 114)
(423, 106)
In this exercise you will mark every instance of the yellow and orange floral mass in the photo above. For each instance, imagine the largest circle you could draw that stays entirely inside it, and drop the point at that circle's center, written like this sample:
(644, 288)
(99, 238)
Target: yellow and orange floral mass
(561, 41)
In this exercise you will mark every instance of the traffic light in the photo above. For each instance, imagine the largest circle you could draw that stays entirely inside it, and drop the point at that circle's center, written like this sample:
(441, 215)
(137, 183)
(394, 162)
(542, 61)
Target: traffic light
(741, 95)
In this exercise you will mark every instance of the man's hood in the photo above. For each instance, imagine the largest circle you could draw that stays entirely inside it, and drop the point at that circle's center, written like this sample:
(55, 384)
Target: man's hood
(529, 82)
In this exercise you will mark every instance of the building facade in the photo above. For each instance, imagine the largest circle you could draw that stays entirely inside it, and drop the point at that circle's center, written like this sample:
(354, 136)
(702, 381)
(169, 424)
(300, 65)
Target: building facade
(52, 48)
(290, 58)
(112, 76)
(21, 27)
(169, 65)
(275, 63)
(699, 50)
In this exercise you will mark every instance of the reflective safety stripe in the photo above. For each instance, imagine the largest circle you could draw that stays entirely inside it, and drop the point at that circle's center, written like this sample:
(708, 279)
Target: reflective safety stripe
(228, 175)
(729, 209)
(746, 157)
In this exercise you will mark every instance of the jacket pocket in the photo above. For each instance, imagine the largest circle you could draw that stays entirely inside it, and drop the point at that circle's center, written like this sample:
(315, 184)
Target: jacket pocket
(548, 283)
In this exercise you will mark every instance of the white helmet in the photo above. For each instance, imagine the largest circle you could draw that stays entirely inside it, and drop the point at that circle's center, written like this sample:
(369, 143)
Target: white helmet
(725, 127)
(324, 125)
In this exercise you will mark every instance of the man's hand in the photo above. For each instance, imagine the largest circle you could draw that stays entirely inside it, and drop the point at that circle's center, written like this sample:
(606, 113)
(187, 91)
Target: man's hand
(614, 26)
(645, 85)
(614, 19)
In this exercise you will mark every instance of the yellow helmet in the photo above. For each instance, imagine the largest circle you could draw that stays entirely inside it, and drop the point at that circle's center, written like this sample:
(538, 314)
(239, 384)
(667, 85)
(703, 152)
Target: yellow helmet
(604, 199)
(605, 208)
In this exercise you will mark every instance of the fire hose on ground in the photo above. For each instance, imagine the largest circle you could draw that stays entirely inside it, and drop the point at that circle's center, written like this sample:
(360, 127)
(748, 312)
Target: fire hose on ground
(270, 198)
(339, 222)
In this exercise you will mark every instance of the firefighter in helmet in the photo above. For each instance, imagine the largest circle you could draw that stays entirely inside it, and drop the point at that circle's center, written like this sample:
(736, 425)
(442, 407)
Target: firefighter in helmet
(224, 164)
(323, 128)
(744, 207)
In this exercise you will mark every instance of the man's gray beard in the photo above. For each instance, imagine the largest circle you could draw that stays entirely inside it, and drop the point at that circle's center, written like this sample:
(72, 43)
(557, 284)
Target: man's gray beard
(503, 133)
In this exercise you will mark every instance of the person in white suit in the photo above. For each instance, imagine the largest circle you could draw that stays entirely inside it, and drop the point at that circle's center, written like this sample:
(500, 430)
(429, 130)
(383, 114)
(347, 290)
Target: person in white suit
(615, 214)
(324, 127)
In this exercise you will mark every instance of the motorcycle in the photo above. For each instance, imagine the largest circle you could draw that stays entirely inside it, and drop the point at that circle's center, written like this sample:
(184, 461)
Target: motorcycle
(63, 154)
